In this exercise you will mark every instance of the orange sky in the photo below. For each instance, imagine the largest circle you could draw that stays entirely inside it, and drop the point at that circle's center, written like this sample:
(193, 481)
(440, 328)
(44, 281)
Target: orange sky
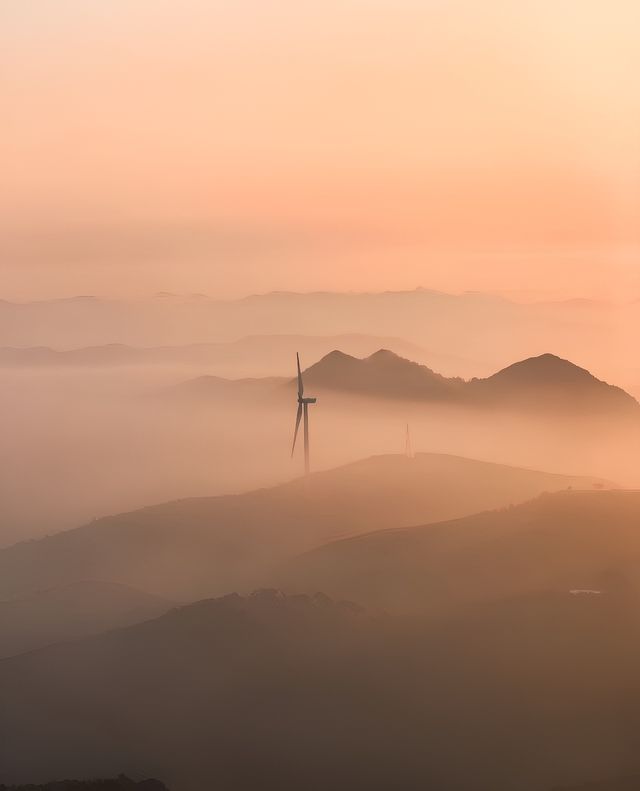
(240, 146)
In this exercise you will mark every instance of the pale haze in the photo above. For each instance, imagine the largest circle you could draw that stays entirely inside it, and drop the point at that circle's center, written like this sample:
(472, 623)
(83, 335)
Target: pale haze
(319, 395)
(234, 148)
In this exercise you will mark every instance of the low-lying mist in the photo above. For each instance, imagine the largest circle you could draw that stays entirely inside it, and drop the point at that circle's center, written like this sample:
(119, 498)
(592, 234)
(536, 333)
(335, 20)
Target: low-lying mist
(79, 444)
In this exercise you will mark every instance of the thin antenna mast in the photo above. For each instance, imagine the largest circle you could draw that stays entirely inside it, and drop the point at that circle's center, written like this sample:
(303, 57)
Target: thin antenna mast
(408, 448)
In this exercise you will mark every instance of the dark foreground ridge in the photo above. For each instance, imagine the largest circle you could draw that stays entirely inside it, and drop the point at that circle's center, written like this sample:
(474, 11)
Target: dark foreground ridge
(274, 691)
(120, 783)
(630, 783)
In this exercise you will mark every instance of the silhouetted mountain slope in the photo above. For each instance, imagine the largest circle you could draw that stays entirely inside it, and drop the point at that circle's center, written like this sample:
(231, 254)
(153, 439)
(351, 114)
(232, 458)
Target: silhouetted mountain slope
(545, 384)
(558, 542)
(121, 783)
(549, 380)
(539, 382)
(299, 692)
(620, 784)
(383, 373)
(72, 611)
(207, 546)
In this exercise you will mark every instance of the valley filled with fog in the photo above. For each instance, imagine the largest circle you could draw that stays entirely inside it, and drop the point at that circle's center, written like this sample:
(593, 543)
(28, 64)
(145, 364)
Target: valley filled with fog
(93, 430)
(176, 595)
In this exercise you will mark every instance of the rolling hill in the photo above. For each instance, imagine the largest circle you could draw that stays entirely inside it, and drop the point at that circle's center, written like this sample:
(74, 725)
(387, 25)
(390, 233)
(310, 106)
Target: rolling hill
(629, 783)
(72, 611)
(570, 540)
(207, 546)
(274, 691)
(120, 783)
(550, 381)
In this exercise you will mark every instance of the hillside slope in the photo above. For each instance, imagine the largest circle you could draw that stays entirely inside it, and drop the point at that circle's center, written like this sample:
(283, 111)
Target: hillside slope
(192, 548)
(544, 382)
(558, 542)
(300, 692)
(72, 611)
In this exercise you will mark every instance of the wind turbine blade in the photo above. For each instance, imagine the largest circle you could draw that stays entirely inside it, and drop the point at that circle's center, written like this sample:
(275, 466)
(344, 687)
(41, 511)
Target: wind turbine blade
(300, 385)
(295, 434)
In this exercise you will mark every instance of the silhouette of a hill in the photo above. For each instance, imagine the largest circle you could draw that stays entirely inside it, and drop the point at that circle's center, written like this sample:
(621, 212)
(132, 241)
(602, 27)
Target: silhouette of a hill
(540, 385)
(540, 382)
(120, 783)
(207, 546)
(629, 783)
(383, 373)
(72, 611)
(568, 540)
(292, 692)
(551, 381)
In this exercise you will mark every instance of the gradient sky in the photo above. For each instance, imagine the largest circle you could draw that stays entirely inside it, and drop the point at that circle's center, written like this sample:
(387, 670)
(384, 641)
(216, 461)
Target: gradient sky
(242, 146)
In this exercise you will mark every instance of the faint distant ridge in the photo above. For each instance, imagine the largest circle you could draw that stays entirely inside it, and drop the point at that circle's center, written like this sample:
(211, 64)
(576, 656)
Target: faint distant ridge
(89, 299)
(274, 349)
(537, 382)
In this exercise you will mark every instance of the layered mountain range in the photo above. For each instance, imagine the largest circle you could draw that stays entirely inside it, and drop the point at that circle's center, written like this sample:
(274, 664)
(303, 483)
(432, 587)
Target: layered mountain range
(211, 545)
(544, 383)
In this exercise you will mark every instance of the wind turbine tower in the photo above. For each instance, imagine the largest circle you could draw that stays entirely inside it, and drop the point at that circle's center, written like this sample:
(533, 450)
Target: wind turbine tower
(303, 411)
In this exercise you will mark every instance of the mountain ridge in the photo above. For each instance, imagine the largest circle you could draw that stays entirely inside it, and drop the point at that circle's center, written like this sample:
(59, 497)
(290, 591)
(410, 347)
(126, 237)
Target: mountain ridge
(70, 611)
(232, 688)
(558, 541)
(191, 548)
(559, 382)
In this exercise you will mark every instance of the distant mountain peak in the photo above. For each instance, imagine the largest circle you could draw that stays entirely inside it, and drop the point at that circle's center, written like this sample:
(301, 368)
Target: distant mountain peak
(383, 373)
(546, 362)
(544, 369)
(385, 354)
(558, 381)
(336, 354)
(547, 381)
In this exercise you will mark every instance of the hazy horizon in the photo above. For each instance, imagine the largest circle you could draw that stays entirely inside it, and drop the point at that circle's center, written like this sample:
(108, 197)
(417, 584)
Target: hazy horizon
(233, 149)
(518, 296)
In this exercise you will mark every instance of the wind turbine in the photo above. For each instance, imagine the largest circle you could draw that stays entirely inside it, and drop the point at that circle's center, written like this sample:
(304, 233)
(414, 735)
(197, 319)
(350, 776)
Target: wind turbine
(303, 409)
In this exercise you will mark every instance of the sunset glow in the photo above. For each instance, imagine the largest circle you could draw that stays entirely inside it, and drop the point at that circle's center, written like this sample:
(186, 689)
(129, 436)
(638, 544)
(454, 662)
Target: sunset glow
(455, 145)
